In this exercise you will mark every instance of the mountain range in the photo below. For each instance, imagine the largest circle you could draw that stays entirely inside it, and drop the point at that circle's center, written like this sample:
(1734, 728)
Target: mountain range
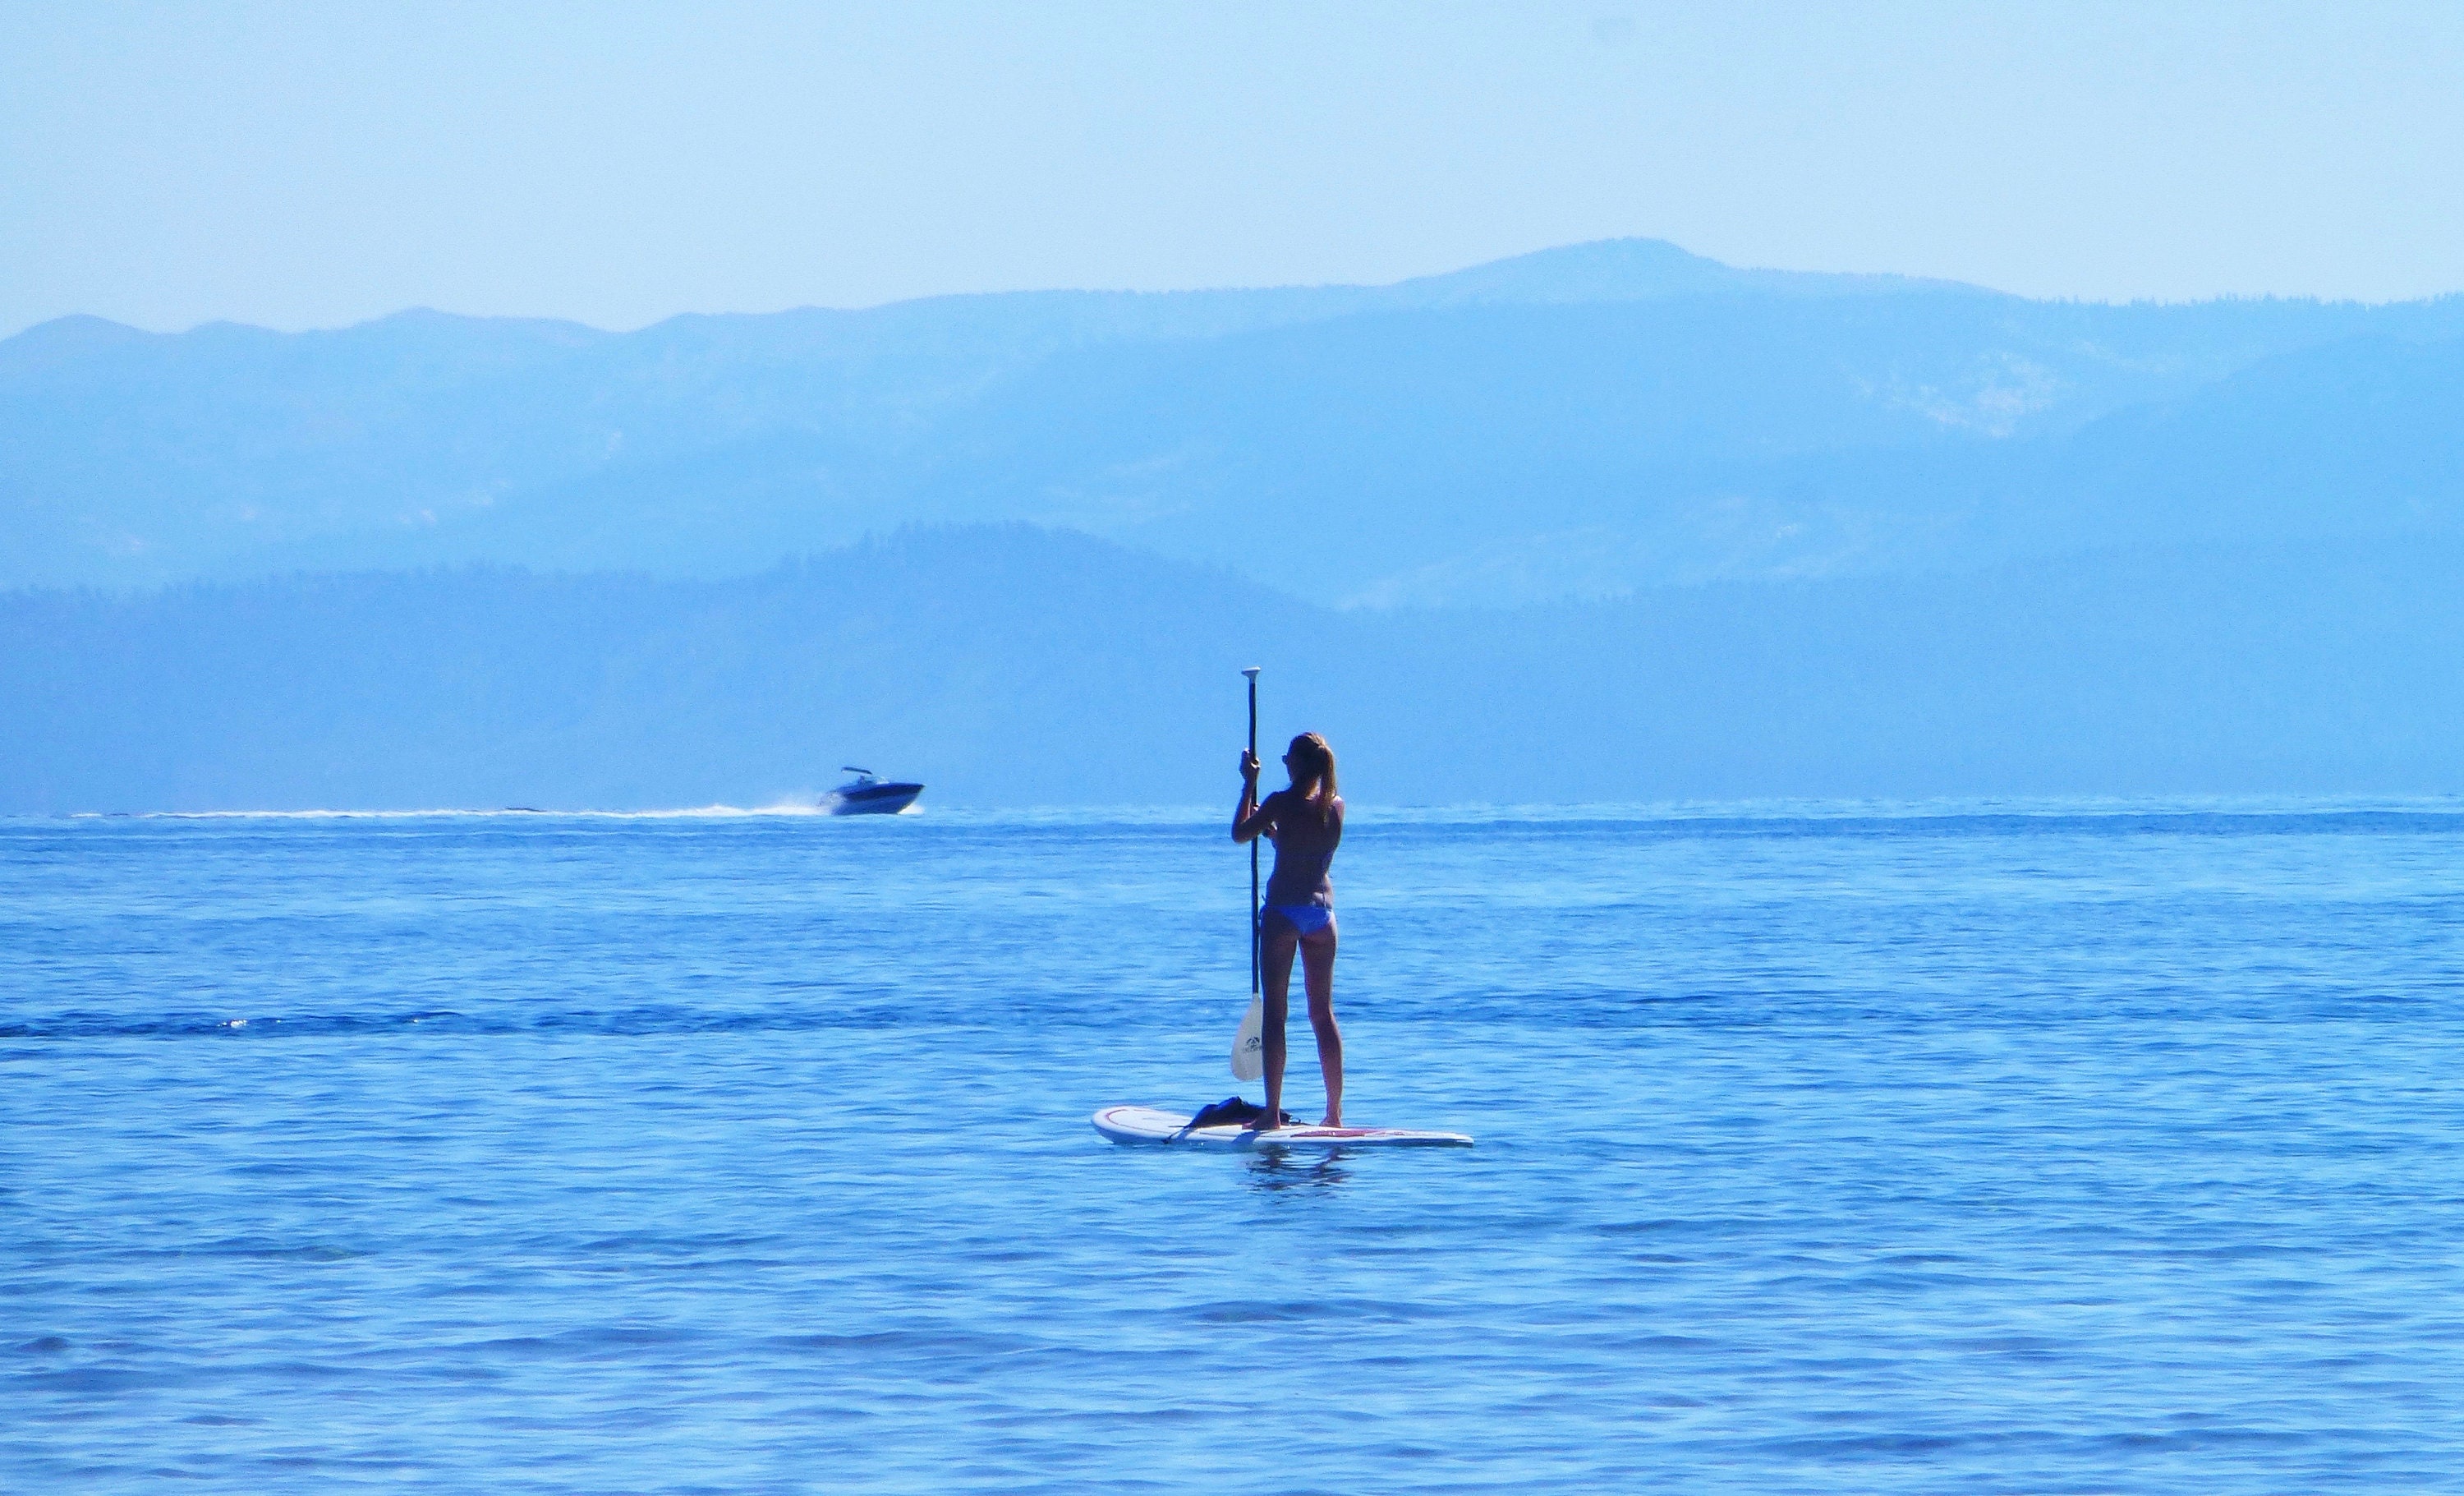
(1006, 664)
(1608, 522)
(1573, 424)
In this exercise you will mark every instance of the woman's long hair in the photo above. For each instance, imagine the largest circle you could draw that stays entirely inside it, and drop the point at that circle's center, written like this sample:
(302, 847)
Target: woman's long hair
(1313, 766)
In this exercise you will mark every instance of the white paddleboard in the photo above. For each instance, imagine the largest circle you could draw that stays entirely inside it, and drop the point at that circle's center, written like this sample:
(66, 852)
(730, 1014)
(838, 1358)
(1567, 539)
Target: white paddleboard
(1152, 1125)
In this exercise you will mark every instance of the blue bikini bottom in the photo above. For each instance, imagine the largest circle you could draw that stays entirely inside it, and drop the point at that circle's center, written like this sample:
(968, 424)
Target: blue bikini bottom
(1305, 919)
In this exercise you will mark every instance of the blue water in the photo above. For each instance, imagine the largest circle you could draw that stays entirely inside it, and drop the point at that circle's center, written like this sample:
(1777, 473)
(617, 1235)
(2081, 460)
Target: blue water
(2099, 1150)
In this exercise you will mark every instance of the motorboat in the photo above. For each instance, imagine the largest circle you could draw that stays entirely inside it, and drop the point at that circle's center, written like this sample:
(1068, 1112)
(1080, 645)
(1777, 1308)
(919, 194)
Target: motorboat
(869, 794)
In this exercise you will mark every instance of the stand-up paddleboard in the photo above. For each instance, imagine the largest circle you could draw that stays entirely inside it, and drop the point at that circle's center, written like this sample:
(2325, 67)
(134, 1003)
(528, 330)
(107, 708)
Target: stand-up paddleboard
(1152, 1125)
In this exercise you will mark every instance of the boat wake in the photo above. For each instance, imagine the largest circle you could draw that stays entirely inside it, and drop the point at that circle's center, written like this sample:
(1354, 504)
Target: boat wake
(804, 807)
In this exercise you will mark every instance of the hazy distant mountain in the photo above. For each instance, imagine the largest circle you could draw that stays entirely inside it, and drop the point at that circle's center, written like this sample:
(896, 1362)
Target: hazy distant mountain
(1011, 666)
(1634, 269)
(1577, 422)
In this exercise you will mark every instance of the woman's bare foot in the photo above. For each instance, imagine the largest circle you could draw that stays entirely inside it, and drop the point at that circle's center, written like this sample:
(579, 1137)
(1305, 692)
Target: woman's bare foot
(1332, 1119)
(1261, 1123)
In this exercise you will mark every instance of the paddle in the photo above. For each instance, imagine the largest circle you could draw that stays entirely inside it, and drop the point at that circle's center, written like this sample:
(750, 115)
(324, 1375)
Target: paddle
(1249, 1044)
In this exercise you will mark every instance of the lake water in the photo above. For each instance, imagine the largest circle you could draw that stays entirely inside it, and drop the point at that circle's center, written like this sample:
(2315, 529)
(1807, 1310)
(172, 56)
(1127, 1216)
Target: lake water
(1948, 1149)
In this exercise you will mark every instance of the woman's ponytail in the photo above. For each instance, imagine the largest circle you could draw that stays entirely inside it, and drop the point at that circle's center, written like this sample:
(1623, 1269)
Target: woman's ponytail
(1318, 760)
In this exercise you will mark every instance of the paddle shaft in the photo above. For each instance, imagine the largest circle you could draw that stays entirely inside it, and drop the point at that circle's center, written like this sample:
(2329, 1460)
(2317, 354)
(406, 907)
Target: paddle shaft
(1253, 842)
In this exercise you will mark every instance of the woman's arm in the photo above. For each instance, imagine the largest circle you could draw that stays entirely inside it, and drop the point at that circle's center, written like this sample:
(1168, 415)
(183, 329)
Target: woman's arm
(1249, 818)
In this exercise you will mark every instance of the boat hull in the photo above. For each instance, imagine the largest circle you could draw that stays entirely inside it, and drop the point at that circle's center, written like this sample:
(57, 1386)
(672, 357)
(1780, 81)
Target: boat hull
(873, 799)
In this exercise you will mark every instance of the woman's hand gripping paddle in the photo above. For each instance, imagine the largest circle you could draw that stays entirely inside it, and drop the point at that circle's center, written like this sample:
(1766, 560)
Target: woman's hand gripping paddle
(1249, 1044)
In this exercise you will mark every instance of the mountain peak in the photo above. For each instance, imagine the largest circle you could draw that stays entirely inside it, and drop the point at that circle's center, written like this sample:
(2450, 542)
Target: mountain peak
(68, 337)
(1640, 270)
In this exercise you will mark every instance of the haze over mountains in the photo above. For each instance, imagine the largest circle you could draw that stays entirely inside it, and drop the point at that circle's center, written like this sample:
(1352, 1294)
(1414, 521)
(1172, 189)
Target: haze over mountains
(1605, 522)
(1575, 423)
(1025, 667)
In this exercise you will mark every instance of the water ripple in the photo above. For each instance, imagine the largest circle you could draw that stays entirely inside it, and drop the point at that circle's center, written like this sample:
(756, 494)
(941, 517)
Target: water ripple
(2018, 1148)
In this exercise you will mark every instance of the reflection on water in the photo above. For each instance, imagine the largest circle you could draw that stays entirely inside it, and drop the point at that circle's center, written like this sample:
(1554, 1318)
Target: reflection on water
(1276, 1168)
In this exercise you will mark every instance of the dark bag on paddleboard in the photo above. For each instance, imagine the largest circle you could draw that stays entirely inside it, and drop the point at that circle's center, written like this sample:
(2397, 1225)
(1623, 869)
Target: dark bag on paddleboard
(1230, 1111)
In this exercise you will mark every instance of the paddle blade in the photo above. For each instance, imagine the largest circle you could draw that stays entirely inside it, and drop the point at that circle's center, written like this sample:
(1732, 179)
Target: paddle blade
(1249, 1044)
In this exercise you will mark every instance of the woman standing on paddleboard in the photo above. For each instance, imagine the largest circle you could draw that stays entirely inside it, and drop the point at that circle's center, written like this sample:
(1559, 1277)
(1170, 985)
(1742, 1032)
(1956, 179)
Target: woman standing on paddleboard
(1305, 822)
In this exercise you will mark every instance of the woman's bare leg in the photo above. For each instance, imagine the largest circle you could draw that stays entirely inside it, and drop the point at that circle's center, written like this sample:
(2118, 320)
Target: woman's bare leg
(1275, 973)
(1317, 972)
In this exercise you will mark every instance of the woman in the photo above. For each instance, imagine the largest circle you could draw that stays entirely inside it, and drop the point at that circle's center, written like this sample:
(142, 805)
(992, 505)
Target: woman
(1305, 822)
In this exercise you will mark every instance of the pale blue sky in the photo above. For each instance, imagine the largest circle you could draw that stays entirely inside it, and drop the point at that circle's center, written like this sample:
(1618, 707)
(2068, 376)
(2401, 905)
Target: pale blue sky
(314, 165)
